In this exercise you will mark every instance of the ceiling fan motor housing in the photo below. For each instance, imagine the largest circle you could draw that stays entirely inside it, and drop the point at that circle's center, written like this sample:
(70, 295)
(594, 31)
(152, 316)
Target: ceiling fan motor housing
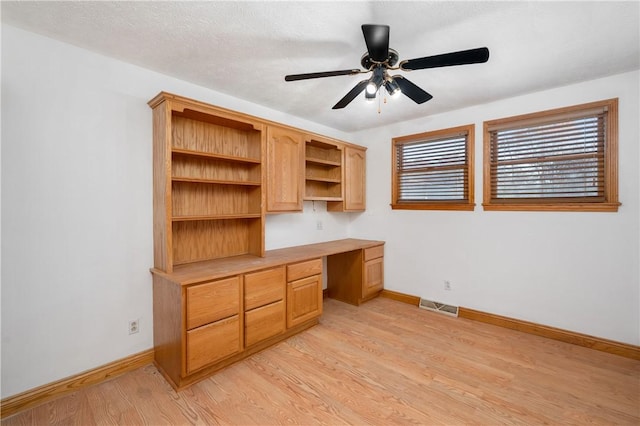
(367, 63)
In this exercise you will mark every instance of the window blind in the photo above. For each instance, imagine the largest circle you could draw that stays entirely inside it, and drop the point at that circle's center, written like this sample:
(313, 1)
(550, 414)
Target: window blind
(556, 161)
(433, 170)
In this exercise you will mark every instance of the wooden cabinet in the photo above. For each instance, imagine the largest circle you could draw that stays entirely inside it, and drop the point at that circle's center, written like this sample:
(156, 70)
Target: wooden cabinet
(304, 292)
(356, 276)
(373, 280)
(212, 301)
(212, 342)
(285, 169)
(216, 173)
(207, 182)
(264, 294)
(354, 182)
(264, 322)
(212, 322)
(323, 170)
(208, 315)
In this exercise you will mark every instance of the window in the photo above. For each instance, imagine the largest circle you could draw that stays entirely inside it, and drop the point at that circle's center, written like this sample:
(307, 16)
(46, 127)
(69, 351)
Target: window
(434, 170)
(562, 159)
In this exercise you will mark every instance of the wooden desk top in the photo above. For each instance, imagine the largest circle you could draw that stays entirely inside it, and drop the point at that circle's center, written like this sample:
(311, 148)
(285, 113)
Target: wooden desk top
(219, 268)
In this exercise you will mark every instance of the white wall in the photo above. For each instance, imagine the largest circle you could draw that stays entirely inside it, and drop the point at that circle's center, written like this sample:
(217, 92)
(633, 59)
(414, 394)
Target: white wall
(575, 271)
(77, 206)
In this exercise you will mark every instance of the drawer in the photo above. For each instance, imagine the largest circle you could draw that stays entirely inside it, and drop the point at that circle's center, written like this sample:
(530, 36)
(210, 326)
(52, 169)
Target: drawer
(212, 301)
(264, 287)
(264, 322)
(300, 270)
(373, 252)
(212, 342)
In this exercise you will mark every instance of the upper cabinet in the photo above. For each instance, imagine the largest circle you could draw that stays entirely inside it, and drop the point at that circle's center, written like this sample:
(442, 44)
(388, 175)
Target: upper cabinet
(285, 150)
(323, 170)
(217, 172)
(353, 181)
(207, 183)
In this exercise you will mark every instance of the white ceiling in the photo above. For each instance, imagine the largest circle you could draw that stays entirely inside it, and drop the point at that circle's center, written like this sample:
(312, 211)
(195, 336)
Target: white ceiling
(245, 48)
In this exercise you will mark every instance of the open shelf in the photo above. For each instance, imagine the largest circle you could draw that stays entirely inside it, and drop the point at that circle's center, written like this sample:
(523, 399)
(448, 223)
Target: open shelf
(318, 198)
(212, 138)
(217, 217)
(199, 240)
(322, 162)
(324, 179)
(206, 200)
(199, 154)
(208, 183)
(214, 182)
(323, 171)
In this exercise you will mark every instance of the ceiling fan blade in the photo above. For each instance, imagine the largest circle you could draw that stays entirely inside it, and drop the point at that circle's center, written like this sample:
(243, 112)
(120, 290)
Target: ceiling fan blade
(412, 91)
(351, 95)
(463, 57)
(295, 77)
(377, 39)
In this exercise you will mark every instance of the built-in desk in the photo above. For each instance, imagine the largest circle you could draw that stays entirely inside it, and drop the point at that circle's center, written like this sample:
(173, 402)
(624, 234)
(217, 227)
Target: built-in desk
(210, 314)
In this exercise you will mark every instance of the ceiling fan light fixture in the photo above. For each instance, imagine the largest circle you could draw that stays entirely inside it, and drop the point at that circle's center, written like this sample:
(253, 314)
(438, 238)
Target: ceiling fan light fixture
(372, 88)
(376, 80)
(370, 97)
(392, 87)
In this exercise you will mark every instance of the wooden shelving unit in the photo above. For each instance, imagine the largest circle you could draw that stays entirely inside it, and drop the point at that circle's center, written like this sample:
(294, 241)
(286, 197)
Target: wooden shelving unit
(354, 182)
(218, 297)
(207, 183)
(323, 171)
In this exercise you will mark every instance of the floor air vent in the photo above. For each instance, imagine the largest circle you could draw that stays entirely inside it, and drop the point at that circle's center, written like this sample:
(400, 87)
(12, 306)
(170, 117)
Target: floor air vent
(439, 307)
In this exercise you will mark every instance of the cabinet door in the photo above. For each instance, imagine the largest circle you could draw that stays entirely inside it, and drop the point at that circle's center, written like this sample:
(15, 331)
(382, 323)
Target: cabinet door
(354, 185)
(285, 163)
(355, 175)
(373, 280)
(304, 300)
(212, 342)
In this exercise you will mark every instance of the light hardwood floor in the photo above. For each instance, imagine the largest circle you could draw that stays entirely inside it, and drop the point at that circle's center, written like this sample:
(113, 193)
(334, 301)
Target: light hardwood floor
(384, 363)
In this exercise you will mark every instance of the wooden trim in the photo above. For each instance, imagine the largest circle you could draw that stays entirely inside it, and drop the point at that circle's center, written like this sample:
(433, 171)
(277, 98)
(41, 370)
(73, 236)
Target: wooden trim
(557, 207)
(400, 297)
(597, 343)
(256, 121)
(461, 205)
(434, 206)
(610, 203)
(39, 395)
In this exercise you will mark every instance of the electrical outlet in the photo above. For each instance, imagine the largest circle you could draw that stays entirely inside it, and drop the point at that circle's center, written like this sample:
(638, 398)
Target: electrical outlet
(319, 225)
(447, 285)
(134, 327)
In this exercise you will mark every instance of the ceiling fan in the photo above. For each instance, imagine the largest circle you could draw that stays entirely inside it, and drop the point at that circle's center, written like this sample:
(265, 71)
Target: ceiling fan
(380, 59)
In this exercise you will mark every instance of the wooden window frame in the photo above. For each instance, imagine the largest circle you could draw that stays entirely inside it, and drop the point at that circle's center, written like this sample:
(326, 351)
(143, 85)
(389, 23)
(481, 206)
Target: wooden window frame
(467, 204)
(610, 202)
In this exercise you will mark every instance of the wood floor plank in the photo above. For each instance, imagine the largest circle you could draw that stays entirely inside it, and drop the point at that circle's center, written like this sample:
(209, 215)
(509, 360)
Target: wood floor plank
(71, 409)
(383, 363)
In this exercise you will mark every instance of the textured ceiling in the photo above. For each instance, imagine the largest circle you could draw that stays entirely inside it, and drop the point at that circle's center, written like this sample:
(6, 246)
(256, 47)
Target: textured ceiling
(245, 49)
